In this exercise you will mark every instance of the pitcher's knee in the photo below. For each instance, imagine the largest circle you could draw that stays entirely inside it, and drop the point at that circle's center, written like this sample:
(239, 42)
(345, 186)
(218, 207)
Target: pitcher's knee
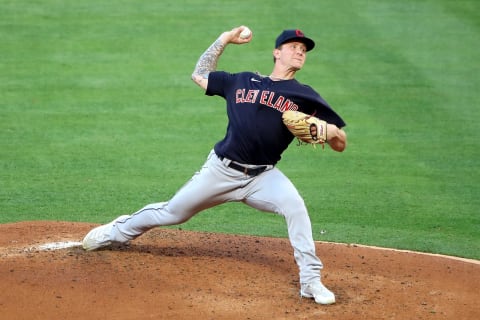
(294, 207)
(179, 219)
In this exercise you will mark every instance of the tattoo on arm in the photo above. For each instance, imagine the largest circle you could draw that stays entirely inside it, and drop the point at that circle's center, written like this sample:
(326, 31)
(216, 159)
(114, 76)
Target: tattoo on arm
(208, 60)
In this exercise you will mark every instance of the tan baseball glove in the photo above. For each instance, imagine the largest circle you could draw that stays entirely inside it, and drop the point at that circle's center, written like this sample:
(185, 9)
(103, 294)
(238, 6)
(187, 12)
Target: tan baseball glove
(306, 128)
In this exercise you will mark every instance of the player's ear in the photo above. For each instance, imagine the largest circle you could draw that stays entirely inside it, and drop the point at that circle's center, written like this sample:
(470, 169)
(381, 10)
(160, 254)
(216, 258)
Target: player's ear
(276, 54)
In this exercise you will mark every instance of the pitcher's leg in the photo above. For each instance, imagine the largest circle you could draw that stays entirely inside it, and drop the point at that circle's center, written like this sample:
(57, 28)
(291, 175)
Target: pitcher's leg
(130, 227)
(272, 191)
(207, 188)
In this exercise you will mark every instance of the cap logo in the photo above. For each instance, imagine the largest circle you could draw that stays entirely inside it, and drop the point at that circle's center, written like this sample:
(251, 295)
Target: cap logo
(299, 33)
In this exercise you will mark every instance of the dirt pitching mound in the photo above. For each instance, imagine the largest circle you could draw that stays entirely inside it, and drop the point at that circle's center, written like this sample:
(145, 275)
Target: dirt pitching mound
(172, 274)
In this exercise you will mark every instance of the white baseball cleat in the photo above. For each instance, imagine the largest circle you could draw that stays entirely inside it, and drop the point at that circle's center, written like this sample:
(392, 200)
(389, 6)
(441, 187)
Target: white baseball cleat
(99, 237)
(317, 291)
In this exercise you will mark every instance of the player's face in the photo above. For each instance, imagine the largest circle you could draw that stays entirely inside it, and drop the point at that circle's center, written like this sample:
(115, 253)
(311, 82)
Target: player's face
(293, 54)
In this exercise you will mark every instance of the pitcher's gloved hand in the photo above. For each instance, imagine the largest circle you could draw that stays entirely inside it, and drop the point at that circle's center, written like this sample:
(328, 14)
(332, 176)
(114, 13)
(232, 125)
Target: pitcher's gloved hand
(306, 128)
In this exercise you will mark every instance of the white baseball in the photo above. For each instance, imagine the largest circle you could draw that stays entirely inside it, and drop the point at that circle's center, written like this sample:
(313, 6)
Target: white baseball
(245, 33)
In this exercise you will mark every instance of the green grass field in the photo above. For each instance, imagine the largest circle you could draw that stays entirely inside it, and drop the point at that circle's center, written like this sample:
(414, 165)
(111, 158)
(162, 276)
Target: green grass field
(98, 115)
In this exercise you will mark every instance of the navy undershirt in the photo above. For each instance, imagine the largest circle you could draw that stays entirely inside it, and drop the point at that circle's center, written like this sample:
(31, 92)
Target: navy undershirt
(255, 132)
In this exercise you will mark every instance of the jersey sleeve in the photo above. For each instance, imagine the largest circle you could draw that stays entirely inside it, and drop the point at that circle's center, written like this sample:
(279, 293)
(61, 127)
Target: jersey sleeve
(217, 81)
(324, 111)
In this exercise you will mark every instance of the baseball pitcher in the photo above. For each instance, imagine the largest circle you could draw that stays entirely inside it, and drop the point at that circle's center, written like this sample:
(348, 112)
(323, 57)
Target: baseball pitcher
(265, 114)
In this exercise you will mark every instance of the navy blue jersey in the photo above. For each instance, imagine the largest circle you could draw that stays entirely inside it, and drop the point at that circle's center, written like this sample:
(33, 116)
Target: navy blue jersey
(255, 132)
